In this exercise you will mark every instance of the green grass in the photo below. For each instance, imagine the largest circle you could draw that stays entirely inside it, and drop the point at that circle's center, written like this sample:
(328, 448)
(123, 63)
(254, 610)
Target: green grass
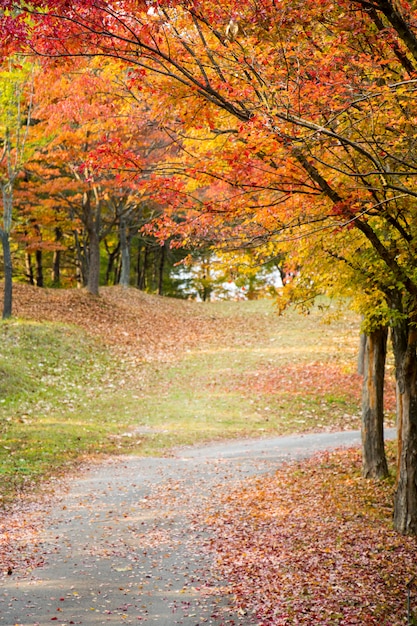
(64, 396)
(52, 400)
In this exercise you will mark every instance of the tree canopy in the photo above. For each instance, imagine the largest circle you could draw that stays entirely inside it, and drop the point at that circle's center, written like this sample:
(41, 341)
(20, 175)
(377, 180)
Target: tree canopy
(291, 134)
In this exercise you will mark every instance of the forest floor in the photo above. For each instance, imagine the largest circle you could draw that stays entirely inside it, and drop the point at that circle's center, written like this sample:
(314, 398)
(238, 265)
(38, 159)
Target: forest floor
(313, 544)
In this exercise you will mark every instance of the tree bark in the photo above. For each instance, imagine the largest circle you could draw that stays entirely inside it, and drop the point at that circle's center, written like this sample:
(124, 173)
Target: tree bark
(56, 260)
(361, 354)
(8, 274)
(400, 25)
(404, 337)
(39, 268)
(374, 462)
(29, 268)
(92, 220)
(56, 268)
(93, 280)
(80, 265)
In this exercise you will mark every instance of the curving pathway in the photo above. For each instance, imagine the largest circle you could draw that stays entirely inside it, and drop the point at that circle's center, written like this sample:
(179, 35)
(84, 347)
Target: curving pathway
(123, 544)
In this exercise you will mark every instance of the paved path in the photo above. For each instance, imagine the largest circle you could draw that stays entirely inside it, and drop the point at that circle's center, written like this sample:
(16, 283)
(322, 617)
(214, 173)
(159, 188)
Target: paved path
(123, 545)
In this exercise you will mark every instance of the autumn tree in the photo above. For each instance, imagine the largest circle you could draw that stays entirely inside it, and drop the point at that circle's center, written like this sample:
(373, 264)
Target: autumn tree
(316, 103)
(104, 148)
(15, 114)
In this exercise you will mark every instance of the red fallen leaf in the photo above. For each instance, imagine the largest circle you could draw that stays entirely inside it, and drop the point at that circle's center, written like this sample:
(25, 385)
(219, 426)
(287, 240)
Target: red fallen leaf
(53, 619)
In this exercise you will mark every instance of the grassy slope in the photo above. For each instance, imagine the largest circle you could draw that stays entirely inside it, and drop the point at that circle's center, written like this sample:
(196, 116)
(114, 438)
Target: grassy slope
(129, 372)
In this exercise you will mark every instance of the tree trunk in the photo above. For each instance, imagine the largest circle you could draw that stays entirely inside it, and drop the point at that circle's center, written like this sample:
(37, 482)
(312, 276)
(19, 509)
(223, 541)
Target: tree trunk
(404, 337)
(374, 462)
(93, 280)
(56, 260)
(39, 268)
(80, 269)
(361, 354)
(7, 196)
(29, 268)
(92, 220)
(56, 268)
(112, 256)
(8, 274)
(124, 279)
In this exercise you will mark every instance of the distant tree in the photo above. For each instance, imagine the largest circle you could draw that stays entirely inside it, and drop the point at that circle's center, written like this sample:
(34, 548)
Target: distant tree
(16, 82)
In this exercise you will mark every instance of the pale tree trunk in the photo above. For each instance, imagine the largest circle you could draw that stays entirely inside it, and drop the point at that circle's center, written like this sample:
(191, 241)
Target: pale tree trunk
(405, 502)
(361, 354)
(374, 462)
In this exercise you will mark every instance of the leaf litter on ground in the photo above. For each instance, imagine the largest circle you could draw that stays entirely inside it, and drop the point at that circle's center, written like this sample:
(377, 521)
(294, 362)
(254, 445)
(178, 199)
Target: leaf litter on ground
(313, 544)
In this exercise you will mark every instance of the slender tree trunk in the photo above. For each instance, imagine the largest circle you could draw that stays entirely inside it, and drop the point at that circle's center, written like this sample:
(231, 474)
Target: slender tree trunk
(124, 279)
(56, 268)
(374, 462)
(39, 268)
(93, 224)
(7, 197)
(29, 268)
(117, 272)
(93, 279)
(112, 254)
(404, 337)
(56, 260)
(8, 274)
(80, 270)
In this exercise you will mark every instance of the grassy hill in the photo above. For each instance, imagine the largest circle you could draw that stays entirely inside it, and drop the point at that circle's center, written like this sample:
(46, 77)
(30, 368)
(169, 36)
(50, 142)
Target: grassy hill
(128, 372)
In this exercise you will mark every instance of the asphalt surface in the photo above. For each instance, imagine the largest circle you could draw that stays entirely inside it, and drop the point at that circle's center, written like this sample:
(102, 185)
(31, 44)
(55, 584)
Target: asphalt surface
(123, 544)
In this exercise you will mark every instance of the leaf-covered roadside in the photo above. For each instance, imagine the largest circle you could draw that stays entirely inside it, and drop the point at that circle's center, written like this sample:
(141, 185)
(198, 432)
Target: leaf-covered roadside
(314, 544)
